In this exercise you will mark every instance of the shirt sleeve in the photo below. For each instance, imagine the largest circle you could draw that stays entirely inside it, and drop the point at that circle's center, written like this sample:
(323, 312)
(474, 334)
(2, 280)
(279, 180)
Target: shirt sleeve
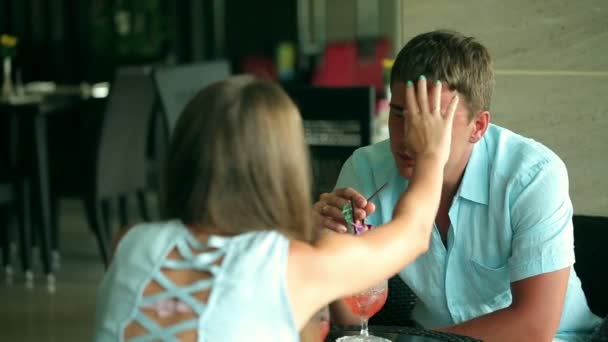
(541, 217)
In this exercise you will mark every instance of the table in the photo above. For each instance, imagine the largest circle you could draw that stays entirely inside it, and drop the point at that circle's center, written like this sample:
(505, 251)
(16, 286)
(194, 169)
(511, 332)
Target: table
(399, 334)
(29, 113)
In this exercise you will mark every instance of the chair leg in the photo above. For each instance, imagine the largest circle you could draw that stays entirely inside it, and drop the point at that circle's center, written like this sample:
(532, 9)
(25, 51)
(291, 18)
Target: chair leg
(5, 240)
(41, 235)
(55, 224)
(36, 220)
(23, 210)
(143, 206)
(54, 221)
(93, 215)
(122, 211)
(43, 196)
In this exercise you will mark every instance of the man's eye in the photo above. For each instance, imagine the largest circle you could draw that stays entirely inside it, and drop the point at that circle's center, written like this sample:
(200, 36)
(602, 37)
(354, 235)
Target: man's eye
(397, 113)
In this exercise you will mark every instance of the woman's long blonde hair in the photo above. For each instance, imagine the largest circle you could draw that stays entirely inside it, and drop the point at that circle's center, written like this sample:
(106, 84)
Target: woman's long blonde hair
(238, 161)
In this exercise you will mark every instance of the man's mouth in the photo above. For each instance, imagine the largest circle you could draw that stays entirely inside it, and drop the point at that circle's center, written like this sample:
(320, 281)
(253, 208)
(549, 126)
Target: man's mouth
(407, 158)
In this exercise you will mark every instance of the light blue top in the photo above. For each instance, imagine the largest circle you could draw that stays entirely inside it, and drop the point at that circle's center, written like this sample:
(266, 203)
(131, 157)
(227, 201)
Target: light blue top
(511, 219)
(248, 295)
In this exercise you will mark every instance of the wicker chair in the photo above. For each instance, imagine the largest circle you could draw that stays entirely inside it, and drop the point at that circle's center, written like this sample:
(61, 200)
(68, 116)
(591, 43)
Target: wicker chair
(601, 333)
(398, 308)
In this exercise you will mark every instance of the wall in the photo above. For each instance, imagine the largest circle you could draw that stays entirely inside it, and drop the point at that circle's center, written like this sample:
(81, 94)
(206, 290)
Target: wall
(341, 19)
(375, 18)
(552, 76)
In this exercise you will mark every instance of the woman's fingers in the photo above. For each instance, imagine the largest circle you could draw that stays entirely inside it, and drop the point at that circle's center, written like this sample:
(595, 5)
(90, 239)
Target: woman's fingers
(436, 98)
(421, 92)
(411, 103)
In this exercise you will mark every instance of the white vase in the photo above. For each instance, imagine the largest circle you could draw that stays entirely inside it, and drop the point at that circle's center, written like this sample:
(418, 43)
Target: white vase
(7, 84)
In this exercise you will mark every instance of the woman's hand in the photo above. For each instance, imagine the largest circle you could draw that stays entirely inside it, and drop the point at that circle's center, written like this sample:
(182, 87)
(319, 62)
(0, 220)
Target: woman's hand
(428, 131)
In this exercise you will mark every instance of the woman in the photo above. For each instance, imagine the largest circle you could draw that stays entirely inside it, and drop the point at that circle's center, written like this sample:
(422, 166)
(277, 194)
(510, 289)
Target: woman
(235, 258)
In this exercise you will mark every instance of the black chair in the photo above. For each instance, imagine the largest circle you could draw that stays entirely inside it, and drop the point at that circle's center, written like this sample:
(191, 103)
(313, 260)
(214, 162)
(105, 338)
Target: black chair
(114, 163)
(337, 121)
(176, 85)
(591, 251)
(14, 203)
(399, 305)
(14, 199)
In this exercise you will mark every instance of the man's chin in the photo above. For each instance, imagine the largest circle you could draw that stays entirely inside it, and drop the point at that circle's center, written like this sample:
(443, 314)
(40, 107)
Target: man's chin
(406, 171)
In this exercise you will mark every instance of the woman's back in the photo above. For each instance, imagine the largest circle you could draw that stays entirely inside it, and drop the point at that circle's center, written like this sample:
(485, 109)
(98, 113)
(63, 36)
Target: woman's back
(166, 284)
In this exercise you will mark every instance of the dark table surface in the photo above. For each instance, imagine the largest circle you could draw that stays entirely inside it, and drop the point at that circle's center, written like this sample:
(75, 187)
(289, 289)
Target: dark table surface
(398, 334)
(48, 101)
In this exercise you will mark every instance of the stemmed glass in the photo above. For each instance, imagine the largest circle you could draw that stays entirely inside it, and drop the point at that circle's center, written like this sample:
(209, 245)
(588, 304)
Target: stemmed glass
(365, 304)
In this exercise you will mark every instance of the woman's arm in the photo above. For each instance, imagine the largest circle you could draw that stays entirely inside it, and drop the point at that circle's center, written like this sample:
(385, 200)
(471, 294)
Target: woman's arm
(534, 314)
(341, 264)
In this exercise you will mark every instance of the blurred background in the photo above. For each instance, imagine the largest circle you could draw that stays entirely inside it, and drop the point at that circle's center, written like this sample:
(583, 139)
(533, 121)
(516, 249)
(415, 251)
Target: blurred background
(82, 79)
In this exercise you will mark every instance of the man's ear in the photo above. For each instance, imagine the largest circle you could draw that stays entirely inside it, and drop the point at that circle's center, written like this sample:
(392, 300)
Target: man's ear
(481, 122)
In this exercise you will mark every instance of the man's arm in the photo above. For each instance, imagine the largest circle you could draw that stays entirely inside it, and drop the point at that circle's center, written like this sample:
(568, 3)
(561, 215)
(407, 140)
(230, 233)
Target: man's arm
(541, 258)
(534, 314)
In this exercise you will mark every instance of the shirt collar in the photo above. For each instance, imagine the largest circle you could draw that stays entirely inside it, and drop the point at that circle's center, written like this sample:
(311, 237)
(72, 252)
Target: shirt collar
(475, 185)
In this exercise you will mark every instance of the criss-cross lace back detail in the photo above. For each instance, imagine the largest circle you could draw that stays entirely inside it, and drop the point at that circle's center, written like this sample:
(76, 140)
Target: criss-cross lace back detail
(177, 295)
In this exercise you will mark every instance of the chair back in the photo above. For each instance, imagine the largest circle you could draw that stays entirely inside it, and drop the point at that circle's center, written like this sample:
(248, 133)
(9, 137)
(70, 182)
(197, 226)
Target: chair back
(176, 85)
(121, 159)
(591, 252)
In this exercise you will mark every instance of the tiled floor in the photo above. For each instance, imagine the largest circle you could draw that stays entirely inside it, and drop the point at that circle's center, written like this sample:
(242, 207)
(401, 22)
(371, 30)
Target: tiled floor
(66, 315)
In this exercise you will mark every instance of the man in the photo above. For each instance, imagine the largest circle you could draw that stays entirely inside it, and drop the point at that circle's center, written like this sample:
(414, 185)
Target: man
(499, 265)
